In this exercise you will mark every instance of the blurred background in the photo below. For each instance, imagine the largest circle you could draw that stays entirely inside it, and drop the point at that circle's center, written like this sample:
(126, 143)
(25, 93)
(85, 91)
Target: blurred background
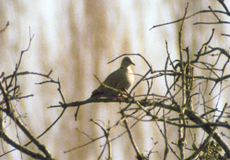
(76, 39)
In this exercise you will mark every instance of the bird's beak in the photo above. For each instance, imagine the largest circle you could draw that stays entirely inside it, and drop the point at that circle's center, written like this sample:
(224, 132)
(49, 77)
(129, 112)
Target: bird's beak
(132, 63)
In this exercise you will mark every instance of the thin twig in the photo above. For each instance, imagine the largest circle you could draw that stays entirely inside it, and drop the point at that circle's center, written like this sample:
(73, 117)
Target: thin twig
(7, 24)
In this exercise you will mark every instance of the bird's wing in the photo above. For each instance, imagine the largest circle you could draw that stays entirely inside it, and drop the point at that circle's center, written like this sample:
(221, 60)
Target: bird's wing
(111, 80)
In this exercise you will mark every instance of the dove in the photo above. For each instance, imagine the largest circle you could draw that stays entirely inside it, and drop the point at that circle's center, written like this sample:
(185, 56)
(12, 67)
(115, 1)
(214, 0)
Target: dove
(120, 79)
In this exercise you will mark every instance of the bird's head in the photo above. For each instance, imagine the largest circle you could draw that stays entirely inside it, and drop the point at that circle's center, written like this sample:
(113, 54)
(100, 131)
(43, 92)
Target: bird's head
(127, 61)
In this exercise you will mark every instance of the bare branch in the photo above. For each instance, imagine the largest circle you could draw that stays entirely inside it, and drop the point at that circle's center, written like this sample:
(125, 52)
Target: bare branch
(7, 24)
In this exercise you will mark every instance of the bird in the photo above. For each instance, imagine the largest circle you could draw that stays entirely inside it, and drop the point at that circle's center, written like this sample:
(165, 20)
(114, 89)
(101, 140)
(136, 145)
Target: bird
(121, 79)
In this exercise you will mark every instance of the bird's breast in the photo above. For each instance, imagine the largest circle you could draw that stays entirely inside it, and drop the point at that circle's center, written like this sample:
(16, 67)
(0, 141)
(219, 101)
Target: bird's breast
(130, 76)
(127, 79)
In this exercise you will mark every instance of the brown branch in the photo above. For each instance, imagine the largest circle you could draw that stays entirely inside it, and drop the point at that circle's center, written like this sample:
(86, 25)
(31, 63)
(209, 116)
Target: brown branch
(227, 35)
(139, 154)
(7, 24)
(18, 122)
(108, 142)
(211, 23)
(214, 14)
(9, 112)
(188, 17)
(23, 149)
(86, 144)
(204, 144)
(144, 77)
(224, 5)
(182, 130)
(164, 136)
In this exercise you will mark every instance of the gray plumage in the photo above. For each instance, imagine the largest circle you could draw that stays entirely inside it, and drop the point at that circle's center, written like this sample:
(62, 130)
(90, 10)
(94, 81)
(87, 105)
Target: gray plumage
(121, 79)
